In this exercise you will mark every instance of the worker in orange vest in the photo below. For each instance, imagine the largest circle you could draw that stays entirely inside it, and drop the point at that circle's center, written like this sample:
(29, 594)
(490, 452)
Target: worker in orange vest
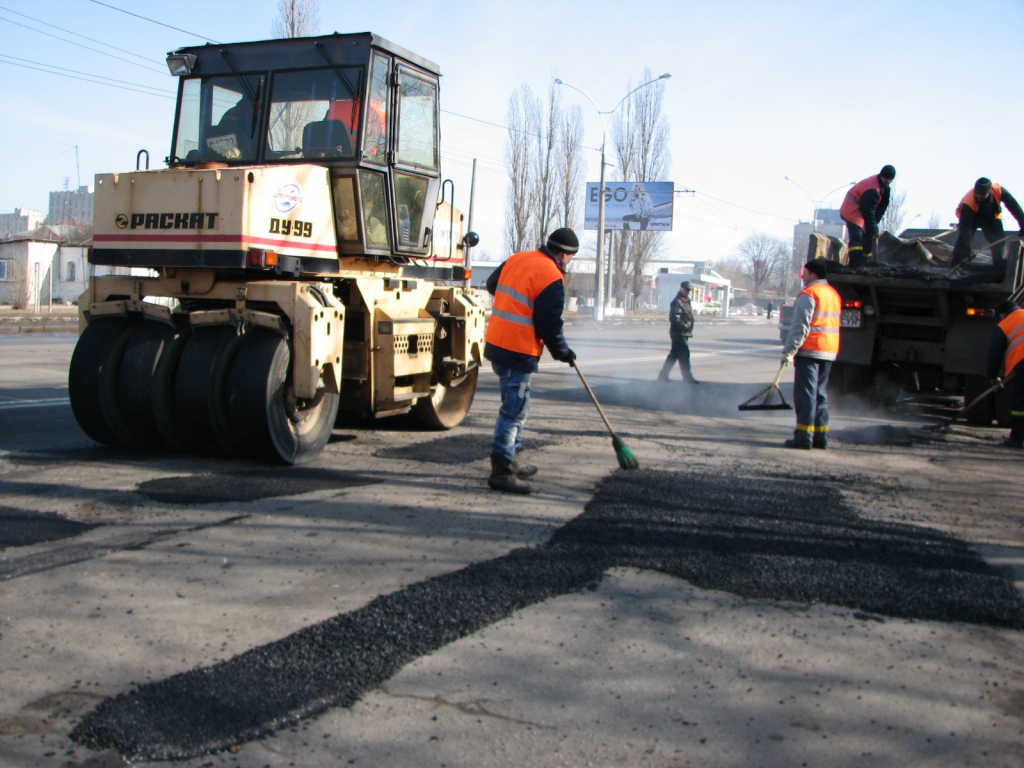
(811, 346)
(1005, 352)
(862, 209)
(982, 209)
(529, 294)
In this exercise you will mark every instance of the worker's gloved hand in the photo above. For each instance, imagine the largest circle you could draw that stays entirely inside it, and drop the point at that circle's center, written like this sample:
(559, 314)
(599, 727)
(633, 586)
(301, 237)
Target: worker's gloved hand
(787, 359)
(570, 358)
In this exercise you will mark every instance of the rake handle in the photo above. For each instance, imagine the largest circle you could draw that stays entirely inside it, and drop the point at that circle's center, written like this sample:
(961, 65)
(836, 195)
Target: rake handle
(1002, 383)
(593, 397)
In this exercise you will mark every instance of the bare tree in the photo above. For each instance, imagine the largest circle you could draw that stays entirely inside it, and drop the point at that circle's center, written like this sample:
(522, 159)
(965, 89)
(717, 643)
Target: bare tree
(892, 220)
(935, 220)
(640, 134)
(522, 117)
(297, 18)
(762, 259)
(571, 167)
(545, 174)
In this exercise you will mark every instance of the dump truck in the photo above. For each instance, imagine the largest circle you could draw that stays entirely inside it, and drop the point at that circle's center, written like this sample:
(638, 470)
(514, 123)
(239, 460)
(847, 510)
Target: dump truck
(908, 324)
(287, 266)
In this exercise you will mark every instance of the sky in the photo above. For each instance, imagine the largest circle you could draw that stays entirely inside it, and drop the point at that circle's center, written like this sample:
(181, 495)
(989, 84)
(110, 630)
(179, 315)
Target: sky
(824, 93)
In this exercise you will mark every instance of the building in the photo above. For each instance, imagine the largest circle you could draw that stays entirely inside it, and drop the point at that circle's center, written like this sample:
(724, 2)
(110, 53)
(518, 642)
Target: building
(18, 223)
(826, 221)
(71, 207)
(710, 293)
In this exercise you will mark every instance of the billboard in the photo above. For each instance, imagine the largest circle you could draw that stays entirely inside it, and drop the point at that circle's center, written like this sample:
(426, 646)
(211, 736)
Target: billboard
(631, 205)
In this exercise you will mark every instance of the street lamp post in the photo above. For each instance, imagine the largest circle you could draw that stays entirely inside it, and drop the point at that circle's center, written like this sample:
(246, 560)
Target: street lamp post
(817, 203)
(599, 265)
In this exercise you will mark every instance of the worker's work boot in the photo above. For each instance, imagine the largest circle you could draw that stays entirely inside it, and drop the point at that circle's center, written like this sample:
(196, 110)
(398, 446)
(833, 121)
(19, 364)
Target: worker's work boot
(522, 471)
(820, 441)
(503, 477)
(803, 445)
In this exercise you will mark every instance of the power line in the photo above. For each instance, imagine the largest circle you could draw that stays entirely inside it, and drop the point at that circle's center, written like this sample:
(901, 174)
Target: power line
(87, 80)
(86, 74)
(158, 23)
(761, 213)
(93, 40)
(499, 125)
(86, 47)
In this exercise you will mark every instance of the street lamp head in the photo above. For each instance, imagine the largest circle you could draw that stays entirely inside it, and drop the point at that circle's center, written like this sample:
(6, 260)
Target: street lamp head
(666, 76)
(558, 81)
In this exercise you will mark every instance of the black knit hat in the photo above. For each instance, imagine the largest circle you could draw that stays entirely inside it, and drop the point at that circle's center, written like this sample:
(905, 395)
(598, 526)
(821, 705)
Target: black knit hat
(983, 186)
(887, 172)
(816, 267)
(1006, 306)
(564, 240)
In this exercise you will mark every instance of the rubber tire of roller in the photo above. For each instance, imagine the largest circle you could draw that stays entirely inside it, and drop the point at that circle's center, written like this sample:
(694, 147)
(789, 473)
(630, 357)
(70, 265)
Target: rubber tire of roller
(133, 394)
(263, 408)
(448, 405)
(172, 431)
(200, 394)
(85, 376)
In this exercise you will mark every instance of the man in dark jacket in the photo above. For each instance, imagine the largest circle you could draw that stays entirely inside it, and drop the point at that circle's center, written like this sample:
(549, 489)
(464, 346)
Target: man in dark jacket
(862, 209)
(981, 209)
(1006, 352)
(680, 329)
(529, 294)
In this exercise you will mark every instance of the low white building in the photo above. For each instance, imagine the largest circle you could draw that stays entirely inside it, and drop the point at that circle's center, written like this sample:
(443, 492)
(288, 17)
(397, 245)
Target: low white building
(710, 293)
(36, 271)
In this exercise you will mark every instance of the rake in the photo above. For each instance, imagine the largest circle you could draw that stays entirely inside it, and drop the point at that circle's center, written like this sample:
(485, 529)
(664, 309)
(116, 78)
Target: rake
(767, 393)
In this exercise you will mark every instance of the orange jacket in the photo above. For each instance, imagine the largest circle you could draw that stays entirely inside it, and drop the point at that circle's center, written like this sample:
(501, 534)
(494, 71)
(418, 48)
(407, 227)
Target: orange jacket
(824, 335)
(523, 277)
(850, 209)
(1013, 326)
(970, 202)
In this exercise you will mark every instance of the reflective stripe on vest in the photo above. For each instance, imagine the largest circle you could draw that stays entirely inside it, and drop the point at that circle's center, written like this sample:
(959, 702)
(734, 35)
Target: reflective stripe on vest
(850, 209)
(523, 278)
(824, 334)
(971, 203)
(1013, 327)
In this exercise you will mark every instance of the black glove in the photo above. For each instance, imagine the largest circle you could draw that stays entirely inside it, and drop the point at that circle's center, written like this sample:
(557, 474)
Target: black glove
(570, 358)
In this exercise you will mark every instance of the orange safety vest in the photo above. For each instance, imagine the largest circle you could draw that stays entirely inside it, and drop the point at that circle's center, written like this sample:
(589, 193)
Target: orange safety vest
(523, 278)
(971, 203)
(850, 209)
(1013, 327)
(824, 335)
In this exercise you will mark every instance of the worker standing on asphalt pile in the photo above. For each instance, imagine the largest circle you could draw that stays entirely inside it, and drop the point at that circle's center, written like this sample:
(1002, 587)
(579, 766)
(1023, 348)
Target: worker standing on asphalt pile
(1006, 351)
(863, 207)
(982, 209)
(680, 329)
(812, 345)
(529, 294)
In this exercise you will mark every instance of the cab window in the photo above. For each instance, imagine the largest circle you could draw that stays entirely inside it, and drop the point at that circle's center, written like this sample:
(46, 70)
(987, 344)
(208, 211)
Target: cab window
(417, 115)
(411, 198)
(375, 212)
(218, 120)
(314, 114)
(375, 145)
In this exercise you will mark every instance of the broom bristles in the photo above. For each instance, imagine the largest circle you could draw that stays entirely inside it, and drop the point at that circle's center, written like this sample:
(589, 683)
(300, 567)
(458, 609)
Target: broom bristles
(627, 459)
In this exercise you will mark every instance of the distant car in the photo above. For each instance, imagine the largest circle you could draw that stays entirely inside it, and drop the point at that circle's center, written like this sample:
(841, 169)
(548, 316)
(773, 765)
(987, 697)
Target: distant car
(785, 320)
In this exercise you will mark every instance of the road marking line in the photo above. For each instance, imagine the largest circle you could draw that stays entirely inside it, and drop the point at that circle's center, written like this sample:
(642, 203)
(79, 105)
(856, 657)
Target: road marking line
(44, 403)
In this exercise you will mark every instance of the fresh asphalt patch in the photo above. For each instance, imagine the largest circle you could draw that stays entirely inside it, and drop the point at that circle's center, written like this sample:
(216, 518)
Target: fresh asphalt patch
(454, 449)
(760, 538)
(19, 528)
(248, 485)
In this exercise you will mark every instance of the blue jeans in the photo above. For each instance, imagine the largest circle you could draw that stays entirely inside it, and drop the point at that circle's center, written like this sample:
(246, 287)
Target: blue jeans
(515, 406)
(810, 396)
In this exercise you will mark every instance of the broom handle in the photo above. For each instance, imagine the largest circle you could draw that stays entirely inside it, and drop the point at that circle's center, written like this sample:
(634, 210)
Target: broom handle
(593, 397)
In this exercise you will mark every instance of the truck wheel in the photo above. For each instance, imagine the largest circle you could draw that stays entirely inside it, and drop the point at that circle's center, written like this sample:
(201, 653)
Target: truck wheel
(200, 397)
(448, 404)
(980, 415)
(85, 375)
(273, 424)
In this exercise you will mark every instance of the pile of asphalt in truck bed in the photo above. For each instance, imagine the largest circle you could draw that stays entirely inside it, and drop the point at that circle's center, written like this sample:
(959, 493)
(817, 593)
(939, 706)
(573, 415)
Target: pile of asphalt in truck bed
(760, 538)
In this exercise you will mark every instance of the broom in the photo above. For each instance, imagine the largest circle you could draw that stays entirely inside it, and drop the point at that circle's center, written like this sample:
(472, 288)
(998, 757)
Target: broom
(627, 460)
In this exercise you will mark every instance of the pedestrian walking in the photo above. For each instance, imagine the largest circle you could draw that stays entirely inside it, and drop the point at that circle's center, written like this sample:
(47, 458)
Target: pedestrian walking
(811, 346)
(680, 329)
(771, 308)
(862, 209)
(529, 294)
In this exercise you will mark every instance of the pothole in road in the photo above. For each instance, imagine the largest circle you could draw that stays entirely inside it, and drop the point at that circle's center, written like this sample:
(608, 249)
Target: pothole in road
(454, 449)
(19, 528)
(887, 434)
(248, 485)
(760, 538)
